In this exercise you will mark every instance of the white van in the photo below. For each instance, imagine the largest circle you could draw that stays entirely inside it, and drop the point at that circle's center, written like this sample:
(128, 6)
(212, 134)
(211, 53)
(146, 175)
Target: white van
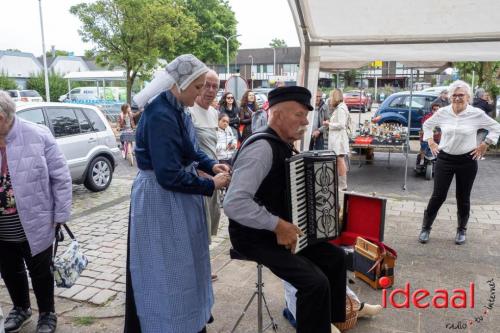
(95, 93)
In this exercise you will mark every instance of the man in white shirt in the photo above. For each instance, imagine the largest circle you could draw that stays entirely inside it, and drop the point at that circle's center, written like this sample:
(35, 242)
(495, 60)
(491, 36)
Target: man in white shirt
(205, 121)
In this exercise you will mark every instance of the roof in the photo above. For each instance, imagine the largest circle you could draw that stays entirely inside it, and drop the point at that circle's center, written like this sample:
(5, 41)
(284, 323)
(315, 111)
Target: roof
(24, 105)
(284, 55)
(394, 30)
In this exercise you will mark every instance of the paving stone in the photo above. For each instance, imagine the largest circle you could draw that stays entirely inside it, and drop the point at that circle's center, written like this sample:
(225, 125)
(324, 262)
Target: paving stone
(86, 294)
(103, 284)
(75, 289)
(102, 297)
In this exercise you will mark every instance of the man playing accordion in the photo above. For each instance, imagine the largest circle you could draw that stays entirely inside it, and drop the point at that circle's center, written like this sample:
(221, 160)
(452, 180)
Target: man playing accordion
(260, 225)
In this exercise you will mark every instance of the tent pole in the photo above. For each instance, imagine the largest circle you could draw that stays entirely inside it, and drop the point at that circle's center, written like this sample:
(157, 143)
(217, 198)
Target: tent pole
(407, 148)
(359, 112)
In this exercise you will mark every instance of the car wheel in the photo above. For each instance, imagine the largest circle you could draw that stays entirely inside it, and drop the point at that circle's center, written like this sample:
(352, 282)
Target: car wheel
(363, 109)
(99, 174)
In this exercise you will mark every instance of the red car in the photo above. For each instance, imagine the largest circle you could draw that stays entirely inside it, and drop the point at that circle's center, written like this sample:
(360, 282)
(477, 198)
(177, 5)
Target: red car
(354, 100)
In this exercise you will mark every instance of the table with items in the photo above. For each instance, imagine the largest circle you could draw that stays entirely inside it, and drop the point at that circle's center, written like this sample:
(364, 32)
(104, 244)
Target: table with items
(371, 137)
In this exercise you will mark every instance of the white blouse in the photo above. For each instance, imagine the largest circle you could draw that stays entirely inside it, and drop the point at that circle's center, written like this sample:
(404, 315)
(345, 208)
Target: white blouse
(459, 132)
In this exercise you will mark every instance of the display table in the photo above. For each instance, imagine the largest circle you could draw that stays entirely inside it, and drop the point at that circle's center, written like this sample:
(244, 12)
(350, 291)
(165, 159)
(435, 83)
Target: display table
(388, 146)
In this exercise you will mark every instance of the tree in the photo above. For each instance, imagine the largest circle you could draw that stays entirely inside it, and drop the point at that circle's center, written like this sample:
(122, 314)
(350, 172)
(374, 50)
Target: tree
(58, 85)
(350, 78)
(485, 74)
(276, 42)
(6, 82)
(135, 33)
(57, 53)
(215, 17)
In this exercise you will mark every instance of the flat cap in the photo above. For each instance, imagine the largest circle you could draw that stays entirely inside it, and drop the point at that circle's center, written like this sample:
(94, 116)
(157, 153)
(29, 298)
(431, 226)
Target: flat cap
(292, 93)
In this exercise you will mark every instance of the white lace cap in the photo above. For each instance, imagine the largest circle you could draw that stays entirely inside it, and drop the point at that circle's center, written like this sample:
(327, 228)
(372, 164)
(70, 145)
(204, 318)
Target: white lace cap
(182, 71)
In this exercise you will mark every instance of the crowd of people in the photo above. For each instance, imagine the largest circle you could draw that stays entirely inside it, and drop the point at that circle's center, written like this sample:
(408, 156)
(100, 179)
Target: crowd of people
(185, 145)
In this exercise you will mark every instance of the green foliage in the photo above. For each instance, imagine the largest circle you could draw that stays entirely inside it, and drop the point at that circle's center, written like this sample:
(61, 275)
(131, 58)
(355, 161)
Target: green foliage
(6, 82)
(485, 74)
(276, 42)
(135, 33)
(350, 77)
(57, 85)
(214, 17)
(57, 52)
(84, 321)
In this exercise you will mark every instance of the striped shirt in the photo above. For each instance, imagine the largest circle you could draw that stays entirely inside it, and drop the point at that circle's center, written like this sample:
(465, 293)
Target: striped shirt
(11, 229)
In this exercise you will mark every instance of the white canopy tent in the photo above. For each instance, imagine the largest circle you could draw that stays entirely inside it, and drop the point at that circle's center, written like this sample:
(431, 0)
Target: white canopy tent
(96, 76)
(337, 35)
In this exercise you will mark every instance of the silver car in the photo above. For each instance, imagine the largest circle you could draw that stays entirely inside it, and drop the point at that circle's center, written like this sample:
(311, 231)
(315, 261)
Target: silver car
(83, 135)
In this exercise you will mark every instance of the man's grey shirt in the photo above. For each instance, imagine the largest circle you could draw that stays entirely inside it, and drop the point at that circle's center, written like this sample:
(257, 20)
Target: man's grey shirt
(251, 167)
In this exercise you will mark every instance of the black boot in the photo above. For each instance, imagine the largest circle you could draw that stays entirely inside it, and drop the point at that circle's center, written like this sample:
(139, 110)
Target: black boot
(47, 322)
(462, 227)
(17, 318)
(426, 228)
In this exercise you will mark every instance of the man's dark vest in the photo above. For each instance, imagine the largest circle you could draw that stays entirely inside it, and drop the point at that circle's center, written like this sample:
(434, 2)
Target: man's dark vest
(272, 191)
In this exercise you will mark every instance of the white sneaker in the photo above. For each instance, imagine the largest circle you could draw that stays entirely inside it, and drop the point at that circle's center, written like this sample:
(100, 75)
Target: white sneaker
(369, 310)
(335, 329)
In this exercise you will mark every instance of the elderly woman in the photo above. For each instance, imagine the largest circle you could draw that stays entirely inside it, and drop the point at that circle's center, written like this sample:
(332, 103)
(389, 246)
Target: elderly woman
(168, 279)
(457, 155)
(338, 140)
(35, 195)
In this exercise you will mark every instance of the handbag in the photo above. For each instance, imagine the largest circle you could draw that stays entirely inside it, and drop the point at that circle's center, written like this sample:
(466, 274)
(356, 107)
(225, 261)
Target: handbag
(373, 260)
(69, 265)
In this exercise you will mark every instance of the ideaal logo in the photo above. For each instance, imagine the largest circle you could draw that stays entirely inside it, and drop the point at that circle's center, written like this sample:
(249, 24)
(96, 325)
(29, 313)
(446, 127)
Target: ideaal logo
(440, 299)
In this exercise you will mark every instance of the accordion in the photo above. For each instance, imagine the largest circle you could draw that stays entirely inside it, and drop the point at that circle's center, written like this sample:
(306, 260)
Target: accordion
(313, 196)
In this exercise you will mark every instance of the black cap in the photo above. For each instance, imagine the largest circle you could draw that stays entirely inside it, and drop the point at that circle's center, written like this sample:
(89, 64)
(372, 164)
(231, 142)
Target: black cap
(292, 93)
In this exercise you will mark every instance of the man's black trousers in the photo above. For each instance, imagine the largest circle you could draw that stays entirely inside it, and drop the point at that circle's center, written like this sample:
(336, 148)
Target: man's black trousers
(318, 273)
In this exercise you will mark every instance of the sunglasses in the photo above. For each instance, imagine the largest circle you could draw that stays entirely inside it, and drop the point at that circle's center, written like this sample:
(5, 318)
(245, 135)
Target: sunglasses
(229, 97)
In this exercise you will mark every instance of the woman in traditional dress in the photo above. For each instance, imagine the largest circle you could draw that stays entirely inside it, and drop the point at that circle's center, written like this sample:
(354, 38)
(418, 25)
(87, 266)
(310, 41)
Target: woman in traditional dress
(168, 268)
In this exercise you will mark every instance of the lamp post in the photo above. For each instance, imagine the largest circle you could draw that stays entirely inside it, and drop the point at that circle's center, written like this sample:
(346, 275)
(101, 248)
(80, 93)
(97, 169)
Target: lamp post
(47, 88)
(251, 69)
(227, 50)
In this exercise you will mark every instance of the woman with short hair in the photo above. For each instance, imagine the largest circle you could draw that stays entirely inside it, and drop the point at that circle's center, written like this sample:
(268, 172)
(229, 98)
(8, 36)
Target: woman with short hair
(35, 196)
(457, 155)
(338, 140)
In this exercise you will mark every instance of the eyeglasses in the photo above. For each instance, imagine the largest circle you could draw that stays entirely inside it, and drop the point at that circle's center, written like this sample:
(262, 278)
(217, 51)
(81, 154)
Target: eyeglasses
(211, 86)
(458, 96)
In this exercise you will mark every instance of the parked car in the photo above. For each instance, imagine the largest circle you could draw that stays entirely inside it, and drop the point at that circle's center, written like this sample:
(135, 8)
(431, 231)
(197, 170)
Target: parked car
(25, 96)
(359, 101)
(395, 109)
(435, 90)
(83, 135)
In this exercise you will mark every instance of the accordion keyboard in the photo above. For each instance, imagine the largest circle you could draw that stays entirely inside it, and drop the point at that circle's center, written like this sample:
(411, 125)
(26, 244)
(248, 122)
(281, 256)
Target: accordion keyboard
(298, 201)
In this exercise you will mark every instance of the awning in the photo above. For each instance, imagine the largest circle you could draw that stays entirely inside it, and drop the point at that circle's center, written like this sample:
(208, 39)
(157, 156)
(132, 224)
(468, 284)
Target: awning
(96, 75)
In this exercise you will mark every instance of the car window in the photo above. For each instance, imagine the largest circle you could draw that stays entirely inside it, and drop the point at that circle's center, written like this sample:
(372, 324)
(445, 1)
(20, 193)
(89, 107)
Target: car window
(398, 102)
(32, 115)
(29, 93)
(12, 93)
(64, 121)
(95, 120)
(75, 91)
(85, 125)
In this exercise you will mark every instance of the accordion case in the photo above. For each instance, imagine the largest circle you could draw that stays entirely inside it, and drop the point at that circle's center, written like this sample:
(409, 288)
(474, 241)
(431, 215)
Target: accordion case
(373, 260)
(363, 215)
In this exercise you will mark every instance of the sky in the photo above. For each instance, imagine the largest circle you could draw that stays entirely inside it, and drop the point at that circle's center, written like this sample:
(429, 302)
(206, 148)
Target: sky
(20, 25)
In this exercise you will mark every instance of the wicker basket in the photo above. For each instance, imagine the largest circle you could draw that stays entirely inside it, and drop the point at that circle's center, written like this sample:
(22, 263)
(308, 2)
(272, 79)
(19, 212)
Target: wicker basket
(351, 316)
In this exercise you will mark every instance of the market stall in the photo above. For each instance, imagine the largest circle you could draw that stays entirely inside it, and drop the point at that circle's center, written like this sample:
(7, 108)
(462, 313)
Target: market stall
(410, 32)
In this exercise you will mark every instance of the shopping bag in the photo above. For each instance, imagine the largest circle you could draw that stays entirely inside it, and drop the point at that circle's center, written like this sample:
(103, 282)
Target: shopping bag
(69, 265)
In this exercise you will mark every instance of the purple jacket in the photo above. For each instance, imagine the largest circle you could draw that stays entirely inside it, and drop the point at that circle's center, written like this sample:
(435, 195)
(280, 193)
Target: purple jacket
(41, 182)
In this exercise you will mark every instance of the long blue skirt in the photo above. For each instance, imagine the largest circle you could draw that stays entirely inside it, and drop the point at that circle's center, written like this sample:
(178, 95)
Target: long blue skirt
(169, 258)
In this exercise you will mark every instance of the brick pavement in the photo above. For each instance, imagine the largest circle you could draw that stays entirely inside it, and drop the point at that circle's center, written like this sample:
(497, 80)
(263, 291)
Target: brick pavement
(96, 302)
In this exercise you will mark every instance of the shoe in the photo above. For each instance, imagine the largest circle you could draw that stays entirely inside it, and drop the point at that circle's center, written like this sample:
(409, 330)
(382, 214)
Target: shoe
(214, 277)
(369, 310)
(424, 236)
(17, 319)
(47, 322)
(460, 237)
(335, 329)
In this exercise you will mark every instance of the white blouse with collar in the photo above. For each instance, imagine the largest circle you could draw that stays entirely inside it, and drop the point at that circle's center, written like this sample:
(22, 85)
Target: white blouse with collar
(459, 132)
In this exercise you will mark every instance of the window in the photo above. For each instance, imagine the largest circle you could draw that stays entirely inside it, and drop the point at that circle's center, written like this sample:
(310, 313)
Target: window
(398, 102)
(75, 91)
(95, 120)
(33, 115)
(29, 93)
(64, 121)
(85, 125)
(13, 93)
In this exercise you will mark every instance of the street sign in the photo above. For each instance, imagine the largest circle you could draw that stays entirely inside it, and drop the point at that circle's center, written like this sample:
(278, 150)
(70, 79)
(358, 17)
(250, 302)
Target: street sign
(237, 86)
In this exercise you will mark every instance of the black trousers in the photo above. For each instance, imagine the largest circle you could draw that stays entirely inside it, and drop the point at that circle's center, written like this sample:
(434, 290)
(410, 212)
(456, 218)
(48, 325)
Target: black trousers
(13, 258)
(318, 273)
(464, 168)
